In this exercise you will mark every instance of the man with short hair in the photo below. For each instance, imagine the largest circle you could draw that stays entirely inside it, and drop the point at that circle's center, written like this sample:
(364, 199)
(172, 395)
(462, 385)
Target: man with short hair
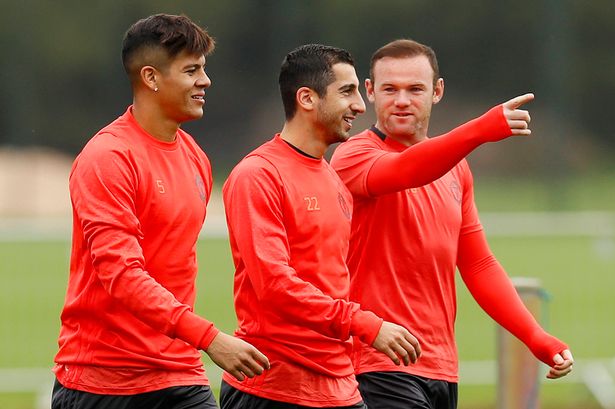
(139, 190)
(415, 221)
(289, 215)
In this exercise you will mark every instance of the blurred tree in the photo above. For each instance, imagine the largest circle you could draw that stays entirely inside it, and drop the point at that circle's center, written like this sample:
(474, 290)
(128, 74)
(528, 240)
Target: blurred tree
(63, 78)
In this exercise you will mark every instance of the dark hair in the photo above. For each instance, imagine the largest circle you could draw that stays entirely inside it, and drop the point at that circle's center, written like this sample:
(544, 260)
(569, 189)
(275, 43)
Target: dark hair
(405, 48)
(308, 66)
(157, 39)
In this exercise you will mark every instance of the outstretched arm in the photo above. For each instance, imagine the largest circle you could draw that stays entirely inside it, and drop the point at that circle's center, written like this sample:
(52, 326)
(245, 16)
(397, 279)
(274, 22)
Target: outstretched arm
(428, 160)
(495, 293)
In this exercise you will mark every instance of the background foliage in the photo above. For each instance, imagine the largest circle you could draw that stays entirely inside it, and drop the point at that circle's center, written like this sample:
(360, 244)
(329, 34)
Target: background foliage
(63, 80)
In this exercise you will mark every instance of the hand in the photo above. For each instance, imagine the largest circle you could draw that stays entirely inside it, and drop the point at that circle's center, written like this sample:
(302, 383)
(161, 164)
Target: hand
(237, 357)
(396, 342)
(518, 120)
(563, 365)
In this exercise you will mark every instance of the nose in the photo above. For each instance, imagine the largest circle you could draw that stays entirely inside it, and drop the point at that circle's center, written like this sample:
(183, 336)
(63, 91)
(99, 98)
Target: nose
(402, 98)
(204, 80)
(358, 105)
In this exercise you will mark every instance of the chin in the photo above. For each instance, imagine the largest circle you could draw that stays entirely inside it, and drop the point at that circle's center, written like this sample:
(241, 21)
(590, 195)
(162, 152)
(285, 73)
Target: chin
(193, 116)
(343, 139)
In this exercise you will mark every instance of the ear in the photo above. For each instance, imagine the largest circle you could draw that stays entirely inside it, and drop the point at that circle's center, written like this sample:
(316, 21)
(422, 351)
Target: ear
(148, 77)
(306, 98)
(438, 91)
(369, 90)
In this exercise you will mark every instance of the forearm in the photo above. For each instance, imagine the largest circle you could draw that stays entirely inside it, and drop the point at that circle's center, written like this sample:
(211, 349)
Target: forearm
(282, 292)
(430, 159)
(123, 277)
(493, 290)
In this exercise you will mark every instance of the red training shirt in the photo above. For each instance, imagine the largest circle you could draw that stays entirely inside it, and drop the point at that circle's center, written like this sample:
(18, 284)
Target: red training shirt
(402, 256)
(289, 223)
(128, 324)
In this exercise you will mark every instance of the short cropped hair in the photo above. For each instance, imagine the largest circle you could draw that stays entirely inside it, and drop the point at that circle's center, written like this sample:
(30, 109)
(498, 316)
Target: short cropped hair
(311, 66)
(405, 48)
(157, 39)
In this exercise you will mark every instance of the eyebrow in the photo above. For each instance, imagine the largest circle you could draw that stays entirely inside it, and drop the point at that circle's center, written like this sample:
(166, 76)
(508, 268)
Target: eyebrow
(196, 66)
(412, 84)
(347, 87)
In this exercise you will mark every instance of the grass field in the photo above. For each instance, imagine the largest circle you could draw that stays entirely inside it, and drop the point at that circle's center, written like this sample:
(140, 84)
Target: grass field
(577, 272)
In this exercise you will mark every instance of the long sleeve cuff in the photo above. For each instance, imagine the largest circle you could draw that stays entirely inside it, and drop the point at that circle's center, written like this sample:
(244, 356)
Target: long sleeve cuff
(366, 326)
(196, 330)
(545, 346)
(489, 127)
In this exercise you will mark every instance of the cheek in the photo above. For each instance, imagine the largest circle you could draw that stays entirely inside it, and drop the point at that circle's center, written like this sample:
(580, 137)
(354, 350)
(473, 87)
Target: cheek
(384, 103)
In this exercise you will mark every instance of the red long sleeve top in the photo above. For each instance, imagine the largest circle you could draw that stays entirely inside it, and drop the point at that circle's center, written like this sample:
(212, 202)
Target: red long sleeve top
(414, 222)
(128, 324)
(289, 223)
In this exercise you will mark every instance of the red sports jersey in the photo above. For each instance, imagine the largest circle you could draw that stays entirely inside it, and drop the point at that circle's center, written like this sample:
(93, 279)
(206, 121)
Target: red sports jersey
(128, 324)
(403, 253)
(407, 242)
(289, 224)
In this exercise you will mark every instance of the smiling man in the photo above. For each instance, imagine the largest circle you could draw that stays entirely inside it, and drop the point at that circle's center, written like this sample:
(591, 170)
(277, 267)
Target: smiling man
(289, 215)
(415, 222)
(139, 190)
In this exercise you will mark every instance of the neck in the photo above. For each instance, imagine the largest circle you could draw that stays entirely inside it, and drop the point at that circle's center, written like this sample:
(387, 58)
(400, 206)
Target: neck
(153, 121)
(407, 139)
(304, 137)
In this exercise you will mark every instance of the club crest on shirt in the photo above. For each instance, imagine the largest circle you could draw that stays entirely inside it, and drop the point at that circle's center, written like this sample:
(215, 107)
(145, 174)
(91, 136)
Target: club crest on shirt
(200, 185)
(343, 205)
(456, 191)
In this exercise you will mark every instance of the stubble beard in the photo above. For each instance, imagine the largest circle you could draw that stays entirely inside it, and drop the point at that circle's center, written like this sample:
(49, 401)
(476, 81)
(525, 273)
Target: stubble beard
(334, 127)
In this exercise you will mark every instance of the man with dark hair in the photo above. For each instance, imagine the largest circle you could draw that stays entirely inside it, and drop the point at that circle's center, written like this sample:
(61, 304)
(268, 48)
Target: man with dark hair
(289, 215)
(139, 190)
(415, 221)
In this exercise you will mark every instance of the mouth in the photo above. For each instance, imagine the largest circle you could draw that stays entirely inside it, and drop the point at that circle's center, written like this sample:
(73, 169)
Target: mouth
(402, 114)
(348, 120)
(199, 97)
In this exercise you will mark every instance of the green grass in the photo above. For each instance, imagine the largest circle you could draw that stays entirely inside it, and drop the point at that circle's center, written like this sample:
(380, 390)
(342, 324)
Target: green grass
(546, 193)
(578, 276)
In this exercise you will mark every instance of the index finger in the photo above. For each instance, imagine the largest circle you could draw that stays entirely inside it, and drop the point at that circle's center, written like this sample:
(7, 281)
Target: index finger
(516, 102)
(262, 359)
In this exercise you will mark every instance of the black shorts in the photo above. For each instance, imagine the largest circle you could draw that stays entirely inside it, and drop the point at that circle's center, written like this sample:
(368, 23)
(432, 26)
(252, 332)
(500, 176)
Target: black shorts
(177, 397)
(232, 398)
(398, 390)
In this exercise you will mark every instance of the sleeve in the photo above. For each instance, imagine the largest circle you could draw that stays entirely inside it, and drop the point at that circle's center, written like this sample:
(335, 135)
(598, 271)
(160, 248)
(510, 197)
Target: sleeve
(103, 187)
(492, 289)
(424, 162)
(254, 200)
(353, 161)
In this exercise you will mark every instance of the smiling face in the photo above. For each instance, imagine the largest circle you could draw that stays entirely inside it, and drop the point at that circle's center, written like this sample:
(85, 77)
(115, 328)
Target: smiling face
(403, 93)
(181, 87)
(340, 104)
